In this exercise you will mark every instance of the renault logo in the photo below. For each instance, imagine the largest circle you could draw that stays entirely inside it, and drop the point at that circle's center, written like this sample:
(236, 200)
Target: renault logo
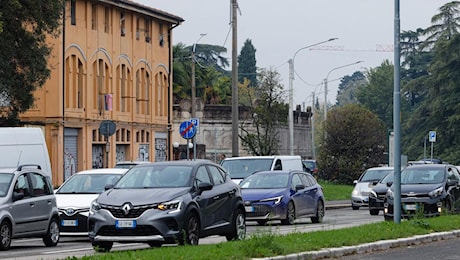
(126, 208)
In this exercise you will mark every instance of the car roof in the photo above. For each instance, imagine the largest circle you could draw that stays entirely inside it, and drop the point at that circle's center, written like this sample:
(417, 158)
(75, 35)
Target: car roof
(380, 168)
(131, 162)
(182, 162)
(429, 166)
(262, 157)
(103, 171)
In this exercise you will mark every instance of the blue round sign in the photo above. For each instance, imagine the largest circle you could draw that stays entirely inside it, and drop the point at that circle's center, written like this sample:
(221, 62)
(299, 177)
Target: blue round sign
(187, 130)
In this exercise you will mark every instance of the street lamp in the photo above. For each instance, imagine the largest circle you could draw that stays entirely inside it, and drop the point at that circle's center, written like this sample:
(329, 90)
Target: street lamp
(291, 105)
(325, 85)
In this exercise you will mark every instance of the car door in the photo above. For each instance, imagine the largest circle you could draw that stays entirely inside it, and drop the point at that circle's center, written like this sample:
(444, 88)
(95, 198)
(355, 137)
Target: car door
(43, 198)
(454, 175)
(207, 199)
(309, 194)
(299, 196)
(22, 210)
(224, 195)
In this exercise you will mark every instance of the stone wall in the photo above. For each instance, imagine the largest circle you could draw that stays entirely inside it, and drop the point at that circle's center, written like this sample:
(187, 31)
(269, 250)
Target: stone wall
(215, 132)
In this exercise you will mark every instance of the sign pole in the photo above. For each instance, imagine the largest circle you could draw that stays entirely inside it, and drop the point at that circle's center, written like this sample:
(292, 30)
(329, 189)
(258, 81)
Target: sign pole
(188, 153)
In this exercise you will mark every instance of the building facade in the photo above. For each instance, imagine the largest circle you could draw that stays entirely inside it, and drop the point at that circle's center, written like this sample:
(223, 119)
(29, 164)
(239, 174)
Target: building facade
(109, 95)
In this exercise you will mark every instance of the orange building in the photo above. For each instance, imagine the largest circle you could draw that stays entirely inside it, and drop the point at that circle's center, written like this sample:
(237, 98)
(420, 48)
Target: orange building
(109, 97)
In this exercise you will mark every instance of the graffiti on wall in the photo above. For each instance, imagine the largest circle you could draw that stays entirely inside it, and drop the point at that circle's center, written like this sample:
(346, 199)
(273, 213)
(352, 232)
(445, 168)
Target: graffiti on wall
(121, 152)
(69, 164)
(143, 152)
(98, 156)
(160, 149)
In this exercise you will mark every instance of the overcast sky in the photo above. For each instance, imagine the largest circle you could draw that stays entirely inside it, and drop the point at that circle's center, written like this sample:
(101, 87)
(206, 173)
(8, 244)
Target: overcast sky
(277, 29)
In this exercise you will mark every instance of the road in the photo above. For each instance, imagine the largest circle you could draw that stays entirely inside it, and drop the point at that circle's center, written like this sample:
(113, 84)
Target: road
(31, 249)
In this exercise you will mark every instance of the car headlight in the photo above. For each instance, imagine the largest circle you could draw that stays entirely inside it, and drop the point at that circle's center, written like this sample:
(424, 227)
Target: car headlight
(95, 207)
(275, 200)
(390, 194)
(355, 192)
(436, 193)
(173, 206)
(372, 194)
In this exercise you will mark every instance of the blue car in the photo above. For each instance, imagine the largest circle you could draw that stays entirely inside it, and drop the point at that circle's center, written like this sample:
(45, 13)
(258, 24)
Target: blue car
(282, 195)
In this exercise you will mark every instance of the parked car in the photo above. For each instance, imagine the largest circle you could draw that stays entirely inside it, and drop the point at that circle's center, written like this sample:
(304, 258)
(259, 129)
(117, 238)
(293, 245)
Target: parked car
(430, 189)
(27, 206)
(75, 195)
(377, 194)
(129, 164)
(282, 195)
(240, 167)
(364, 185)
(311, 166)
(167, 203)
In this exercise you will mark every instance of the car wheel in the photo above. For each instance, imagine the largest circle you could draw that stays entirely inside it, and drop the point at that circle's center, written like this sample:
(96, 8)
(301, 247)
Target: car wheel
(355, 207)
(5, 235)
(154, 244)
(387, 218)
(374, 212)
(102, 247)
(52, 235)
(290, 214)
(238, 227)
(319, 213)
(191, 230)
(262, 222)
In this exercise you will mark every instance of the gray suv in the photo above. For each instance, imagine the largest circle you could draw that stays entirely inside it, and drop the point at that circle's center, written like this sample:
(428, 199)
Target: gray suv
(27, 206)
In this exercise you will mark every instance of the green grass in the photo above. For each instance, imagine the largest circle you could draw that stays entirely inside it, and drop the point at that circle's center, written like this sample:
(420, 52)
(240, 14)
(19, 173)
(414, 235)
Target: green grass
(266, 244)
(334, 191)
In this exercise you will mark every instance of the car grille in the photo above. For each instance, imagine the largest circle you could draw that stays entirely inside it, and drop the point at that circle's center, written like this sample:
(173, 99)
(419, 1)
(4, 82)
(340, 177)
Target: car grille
(259, 211)
(420, 195)
(141, 230)
(135, 212)
(381, 196)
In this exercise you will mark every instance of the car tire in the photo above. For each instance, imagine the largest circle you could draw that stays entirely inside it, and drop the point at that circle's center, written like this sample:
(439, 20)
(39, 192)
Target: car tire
(374, 212)
(102, 247)
(290, 214)
(387, 218)
(262, 222)
(52, 234)
(354, 207)
(190, 233)
(319, 213)
(155, 244)
(238, 227)
(5, 235)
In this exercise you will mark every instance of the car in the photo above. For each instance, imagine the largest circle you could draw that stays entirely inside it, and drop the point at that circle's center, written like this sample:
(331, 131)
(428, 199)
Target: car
(377, 194)
(128, 164)
(240, 167)
(75, 195)
(364, 185)
(27, 206)
(312, 166)
(170, 202)
(428, 189)
(282, 195)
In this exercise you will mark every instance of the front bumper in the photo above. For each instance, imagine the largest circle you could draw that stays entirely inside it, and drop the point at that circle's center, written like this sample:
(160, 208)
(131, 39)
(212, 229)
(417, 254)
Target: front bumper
(411, 207)
(359, 201)
(265, 211)
(73, 222)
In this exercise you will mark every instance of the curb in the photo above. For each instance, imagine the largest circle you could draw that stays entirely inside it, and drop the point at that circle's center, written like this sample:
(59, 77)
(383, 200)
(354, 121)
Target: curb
(368, 247)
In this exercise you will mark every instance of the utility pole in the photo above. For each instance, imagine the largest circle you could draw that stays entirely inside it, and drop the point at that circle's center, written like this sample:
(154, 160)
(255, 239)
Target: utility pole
(235, 113)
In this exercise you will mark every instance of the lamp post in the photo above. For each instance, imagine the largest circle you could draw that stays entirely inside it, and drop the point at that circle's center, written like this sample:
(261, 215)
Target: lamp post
(325, 85)
(291, 90)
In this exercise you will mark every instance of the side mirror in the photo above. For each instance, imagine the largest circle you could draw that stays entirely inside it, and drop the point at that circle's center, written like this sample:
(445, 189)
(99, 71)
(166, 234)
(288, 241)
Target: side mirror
(204, 186)
(299, 187)
(18, 196)
(108, 186)
(389, 184)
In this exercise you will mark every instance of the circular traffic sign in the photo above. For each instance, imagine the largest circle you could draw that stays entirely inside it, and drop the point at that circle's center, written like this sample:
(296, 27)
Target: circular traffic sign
(107, 128)
(187, 130)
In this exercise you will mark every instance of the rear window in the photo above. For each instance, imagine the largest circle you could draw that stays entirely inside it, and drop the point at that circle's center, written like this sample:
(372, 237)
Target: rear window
(239, 169)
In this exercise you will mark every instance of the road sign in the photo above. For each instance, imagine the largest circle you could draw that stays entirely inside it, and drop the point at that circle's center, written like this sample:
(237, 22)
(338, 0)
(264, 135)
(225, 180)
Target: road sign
(196, 122)
(432, 136)
(107, 128)
(187, 130)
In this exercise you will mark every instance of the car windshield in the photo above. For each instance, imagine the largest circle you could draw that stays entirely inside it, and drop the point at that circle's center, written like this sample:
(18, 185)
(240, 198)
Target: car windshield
(422, 176)
(265, 181)
(388, 178)
(156, 176)
(5, 182)
(309, 164)
(374, 174)
(87, 183)
(239, 169)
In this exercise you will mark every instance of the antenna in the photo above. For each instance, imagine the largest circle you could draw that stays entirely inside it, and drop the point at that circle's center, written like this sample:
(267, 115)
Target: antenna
(19, 159)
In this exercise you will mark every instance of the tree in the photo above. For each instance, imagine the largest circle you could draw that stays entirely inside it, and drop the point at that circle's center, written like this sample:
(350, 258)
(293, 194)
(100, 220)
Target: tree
(247, 64)
(347, 88)
(24, 52)
(355, 140)
(444, 25)
(260, 136)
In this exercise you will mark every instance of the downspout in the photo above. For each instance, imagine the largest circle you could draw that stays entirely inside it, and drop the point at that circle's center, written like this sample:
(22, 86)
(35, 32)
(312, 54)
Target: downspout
(63, 88)
(170, 83)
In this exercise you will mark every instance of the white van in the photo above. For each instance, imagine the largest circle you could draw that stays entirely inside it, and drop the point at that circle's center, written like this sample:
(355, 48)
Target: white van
(240, 167)
(23, 145)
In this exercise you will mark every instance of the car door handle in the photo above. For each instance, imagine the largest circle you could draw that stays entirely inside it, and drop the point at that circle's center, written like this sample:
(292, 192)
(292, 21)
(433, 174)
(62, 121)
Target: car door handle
(216, 197)
(32, 204)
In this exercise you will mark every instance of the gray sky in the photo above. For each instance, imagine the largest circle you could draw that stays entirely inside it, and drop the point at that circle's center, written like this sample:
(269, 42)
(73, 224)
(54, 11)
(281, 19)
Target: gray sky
(278, 29)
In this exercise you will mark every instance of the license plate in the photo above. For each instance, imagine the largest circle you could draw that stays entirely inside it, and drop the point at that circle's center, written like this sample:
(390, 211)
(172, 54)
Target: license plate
(249, 209)
(125, 224)
(410, 206)
(69, 223)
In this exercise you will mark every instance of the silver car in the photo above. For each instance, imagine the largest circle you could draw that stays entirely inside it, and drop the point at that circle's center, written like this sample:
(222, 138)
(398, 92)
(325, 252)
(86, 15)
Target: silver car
(173, 202)
(27, 206)
(363, 186)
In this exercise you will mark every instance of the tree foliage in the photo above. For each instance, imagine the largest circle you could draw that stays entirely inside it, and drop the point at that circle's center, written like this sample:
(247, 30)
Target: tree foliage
(260, 136)
(247, 64)
(24, 52)
(348, 87)
(355, 139)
